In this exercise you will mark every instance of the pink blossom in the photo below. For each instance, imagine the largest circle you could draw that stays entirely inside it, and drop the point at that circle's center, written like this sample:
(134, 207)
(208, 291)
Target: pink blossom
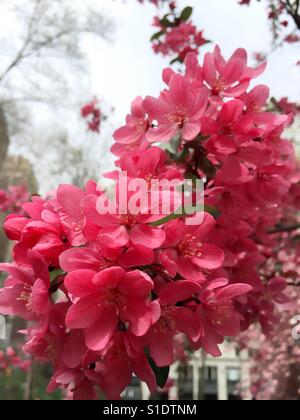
(150, 165)
(228, 78)
(120, 228)
(186, 251)
(136, 126)
(12, 199)
(103, 256)
(71, 216)
(218, 315)
(123, 358)
(9, 359)
(26, 292)
(105, 299)
(43, 238)
(178, 109)
(179, 40)
(92, 113)
(170, 319)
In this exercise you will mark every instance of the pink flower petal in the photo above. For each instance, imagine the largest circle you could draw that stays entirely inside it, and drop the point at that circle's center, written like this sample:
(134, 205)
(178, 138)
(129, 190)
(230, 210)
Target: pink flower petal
(148, 236)
(212, 257)
(177, 291)
(80, 283)
(79, 258)
(83, 313)
(98, 335)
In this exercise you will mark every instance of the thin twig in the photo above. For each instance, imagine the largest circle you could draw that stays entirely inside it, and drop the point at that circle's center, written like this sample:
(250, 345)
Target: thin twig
(284, 228)
(21, 54)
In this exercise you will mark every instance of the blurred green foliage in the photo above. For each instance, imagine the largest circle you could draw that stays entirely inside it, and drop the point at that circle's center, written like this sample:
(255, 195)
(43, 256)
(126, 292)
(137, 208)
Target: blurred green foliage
(13, 383)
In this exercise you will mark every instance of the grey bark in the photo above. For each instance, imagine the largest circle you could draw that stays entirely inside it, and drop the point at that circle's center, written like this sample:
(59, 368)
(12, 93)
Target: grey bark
(4, 138)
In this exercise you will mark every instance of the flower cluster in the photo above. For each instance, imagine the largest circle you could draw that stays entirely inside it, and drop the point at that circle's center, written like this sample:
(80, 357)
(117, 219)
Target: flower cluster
(92, 113)
(274, 361)
(9, 359)
(12, 199)
(177, 36)
(286, 106)
(227, 138)
(107, 294)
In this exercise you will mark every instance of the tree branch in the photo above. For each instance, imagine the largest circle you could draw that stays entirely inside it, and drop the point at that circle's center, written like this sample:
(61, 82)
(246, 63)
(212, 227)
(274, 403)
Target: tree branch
(21, 54)
(284, 228)
(293, 11)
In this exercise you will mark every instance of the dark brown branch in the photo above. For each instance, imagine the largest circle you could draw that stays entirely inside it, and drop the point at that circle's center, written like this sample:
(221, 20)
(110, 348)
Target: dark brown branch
(284, 228)
(293, 11)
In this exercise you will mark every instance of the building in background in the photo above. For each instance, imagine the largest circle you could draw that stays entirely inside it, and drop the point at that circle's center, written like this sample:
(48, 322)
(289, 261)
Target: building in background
(15, 170)
(205, 378)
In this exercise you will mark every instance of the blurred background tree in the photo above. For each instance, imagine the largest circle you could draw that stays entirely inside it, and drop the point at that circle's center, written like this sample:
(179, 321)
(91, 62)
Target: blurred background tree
(44, 79)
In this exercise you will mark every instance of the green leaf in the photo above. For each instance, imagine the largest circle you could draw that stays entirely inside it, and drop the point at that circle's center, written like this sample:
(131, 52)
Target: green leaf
(206, 166)
(212, 210)
(56, 280)
(2, 278)
(157, 35)
(167, 147)
(181, 156)
(161, 373)
(175, 142)
(166, 219)
(187, 211)
(165, 21)
(55, 273)
(186, 14)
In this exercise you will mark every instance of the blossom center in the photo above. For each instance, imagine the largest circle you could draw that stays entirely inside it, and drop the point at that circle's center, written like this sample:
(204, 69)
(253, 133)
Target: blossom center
(26, 296)
(228, 128)
(178, 116)
(254, 107)
(190, 246)
(51, 349)
(165, 324)
(116, 299)
(220, 312)
(148, 178)
(127, 219)
(142, 126)
(217, 87)
(75, 225)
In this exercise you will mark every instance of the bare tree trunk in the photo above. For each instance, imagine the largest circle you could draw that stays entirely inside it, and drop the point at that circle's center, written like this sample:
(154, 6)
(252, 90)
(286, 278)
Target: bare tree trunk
(4, 143)
(4, 138)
